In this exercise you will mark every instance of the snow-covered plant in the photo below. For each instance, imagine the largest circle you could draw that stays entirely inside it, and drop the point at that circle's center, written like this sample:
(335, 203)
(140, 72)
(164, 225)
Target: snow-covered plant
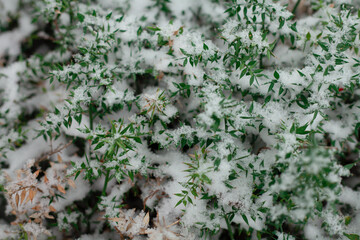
(169, 119)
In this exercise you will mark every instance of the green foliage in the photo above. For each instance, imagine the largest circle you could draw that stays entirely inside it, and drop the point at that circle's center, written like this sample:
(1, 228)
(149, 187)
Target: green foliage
(242, 122)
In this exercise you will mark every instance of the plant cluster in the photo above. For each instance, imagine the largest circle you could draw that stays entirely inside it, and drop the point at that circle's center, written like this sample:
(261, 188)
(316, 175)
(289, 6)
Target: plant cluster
(167, 119)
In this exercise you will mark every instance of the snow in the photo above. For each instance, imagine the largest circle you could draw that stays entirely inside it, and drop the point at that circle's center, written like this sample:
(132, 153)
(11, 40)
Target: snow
(7, 231)
(182, 9)
(284, 236)
(7, 8)
(247, 151)
(30, 150)
(73, 194)
(273, 114)
(11, 41)
(9, 83)
(94, 237)
(351, 197)
(70, 218)
(337, 129)
(313, 232)
(197, 213)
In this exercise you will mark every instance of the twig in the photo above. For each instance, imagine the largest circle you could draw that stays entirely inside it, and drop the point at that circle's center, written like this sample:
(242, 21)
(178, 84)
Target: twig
(150, 196)
(326, 147)
(52, 152)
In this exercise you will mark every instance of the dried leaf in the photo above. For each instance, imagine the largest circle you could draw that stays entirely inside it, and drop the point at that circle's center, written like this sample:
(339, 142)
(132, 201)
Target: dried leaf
(128, 227)
(146, 219)
(48, 216)
(59, 158)
(176, 222)
(71, 183)
(23, 195)
(61, 189)
(28, 197)
(18, 174)
(17, 199)
(46, 180)
(35, 215)
(47, 232)
(52, 209)
(32, 194)
(161, 74)
(36, 174)
(37, 220)
(51, 192)
(36, 208)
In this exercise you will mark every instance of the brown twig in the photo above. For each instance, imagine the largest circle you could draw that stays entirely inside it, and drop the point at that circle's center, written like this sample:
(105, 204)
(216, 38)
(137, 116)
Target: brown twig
(326, 147)
(150, 196)
(52, 152)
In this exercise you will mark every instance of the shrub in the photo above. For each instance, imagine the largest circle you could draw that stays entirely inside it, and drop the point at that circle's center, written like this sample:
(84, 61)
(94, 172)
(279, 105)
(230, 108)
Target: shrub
(166, 119)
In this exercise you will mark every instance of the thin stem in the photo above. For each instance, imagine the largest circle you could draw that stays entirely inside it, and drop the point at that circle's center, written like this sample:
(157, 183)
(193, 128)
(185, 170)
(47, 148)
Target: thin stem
(106, 182)
(91, 119)
(296, 6)
(52, 152)
(229, 228)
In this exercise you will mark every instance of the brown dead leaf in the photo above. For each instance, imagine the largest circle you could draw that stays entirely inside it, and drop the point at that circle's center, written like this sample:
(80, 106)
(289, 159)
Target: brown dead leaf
(52, 209)
(23, 195)
(35, 215)
(59, 158)
(36, 174)
(71, 183)
(32, 194)
(146, 219)
(36, 208)
(47, 232)
(51, 192)
(128, 227)
(61, 189)
(46, 180)
(48, 216)
(161, 75)
(37, 220)
(17, 199)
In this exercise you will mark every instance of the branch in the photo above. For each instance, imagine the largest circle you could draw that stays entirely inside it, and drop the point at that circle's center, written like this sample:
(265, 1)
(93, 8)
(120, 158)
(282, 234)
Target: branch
(50, 153)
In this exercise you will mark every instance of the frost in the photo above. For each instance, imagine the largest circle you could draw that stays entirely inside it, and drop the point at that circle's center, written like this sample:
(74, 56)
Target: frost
(11, 41)
(35, 229)
(337, 129)
(64, 220)
(179, 119)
